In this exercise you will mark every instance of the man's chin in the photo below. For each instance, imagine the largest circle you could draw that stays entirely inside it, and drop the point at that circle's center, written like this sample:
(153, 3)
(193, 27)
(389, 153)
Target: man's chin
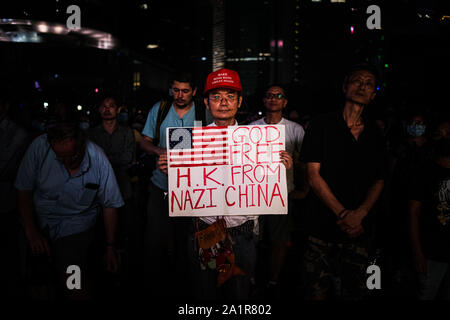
(181, 106)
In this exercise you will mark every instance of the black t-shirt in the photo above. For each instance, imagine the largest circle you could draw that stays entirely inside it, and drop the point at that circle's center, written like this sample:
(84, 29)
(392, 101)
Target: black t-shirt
(431, 187)
(349, 167)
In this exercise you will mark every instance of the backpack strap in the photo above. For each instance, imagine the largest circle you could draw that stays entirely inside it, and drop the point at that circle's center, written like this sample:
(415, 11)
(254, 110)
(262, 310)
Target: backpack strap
(163, 110)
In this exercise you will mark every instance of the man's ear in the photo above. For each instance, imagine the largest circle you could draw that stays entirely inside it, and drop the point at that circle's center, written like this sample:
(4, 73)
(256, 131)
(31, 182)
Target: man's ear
(119, 109)
(206, 101)
(285, 103)
(240, 102)
(194, 91)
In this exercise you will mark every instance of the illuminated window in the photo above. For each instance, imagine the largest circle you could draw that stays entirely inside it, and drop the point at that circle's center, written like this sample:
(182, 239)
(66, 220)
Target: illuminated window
(136, 80)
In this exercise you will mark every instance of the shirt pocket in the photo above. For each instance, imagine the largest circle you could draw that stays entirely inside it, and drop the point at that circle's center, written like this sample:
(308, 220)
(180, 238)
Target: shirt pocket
(88, 195)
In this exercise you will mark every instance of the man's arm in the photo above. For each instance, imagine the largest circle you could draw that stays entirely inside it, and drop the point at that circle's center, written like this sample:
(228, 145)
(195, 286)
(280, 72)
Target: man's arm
(324, 193)
(353, 218)
(110, 218)
(147, 145)
(321, 188)
(414, 208)
(38, 243)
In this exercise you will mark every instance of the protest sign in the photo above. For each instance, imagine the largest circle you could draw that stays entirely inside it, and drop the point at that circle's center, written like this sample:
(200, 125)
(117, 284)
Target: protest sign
(233, 170)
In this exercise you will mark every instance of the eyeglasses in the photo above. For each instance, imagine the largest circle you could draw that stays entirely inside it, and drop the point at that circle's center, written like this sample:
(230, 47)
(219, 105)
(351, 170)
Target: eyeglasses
(218, 98)
(279, 96)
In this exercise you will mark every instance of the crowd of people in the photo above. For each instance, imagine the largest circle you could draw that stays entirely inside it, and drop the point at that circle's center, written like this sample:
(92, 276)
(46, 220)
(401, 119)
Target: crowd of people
(363, 189)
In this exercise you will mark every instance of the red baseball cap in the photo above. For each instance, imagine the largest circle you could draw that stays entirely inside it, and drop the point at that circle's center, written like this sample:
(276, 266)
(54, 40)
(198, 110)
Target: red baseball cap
(223, 78)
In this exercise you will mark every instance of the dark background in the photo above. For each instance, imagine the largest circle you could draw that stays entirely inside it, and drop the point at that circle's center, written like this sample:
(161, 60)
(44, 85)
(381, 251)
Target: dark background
(303, 44)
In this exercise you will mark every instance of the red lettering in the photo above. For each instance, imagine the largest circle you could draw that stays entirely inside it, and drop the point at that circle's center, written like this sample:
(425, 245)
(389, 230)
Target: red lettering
(273, 129)
(251, 134)
(258, 153)
(244, 172)
(273, 152)
(277, 169)
(243, 194)
(188, 176)
(241, 137)
(261, 192)
(276, 194)
(244, 153)
(233, 173)
(186, 197)
(173, 196)
(206, 176)
(232, 152)
(254, 173)
(253, 196)
(210, 197)
(199, 198)
(226, 199)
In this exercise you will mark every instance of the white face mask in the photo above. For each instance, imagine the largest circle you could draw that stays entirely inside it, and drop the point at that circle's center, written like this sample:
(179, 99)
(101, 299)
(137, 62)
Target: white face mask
(84, 125)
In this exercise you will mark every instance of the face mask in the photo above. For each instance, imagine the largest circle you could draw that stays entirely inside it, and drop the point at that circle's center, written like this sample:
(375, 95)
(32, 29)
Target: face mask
(84, 125)
(416, 130)
(122, 117)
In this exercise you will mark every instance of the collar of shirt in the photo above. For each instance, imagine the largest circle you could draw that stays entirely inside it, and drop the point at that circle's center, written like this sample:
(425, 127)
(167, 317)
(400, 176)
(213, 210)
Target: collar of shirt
(103, 130)
(215, 125)
(282, 121)
(84, 165)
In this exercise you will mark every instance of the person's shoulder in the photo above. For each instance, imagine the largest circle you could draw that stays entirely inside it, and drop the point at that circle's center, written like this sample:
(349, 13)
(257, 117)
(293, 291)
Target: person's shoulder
(39, 146)
(154, 109)
(258, 122)
(95, 151)
(292, 124)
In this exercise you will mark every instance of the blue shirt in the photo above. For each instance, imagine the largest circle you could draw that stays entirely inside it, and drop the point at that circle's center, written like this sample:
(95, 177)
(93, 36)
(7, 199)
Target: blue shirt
(65, 204)
(172, 119)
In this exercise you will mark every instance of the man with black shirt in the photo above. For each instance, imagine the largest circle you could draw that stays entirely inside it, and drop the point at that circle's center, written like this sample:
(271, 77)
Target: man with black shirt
(429, 219)
(345, 163)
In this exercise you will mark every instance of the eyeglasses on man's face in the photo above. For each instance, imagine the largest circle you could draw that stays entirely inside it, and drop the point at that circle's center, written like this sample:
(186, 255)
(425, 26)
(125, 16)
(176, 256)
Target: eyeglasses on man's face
(228, 97)
(278, 96)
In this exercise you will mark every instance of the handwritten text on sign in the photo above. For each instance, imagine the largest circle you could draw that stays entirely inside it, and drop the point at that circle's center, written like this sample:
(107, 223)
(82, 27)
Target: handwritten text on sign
(232, 170)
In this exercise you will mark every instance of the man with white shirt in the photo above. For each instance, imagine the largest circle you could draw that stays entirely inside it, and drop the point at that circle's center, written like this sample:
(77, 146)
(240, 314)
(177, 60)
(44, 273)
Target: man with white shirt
(277, 227)
(223, 98)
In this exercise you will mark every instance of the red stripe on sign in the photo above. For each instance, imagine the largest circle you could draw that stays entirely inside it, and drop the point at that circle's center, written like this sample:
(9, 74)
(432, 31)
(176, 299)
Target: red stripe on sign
(208, 144)
(221, 157)
(198, 164)
(207, 133)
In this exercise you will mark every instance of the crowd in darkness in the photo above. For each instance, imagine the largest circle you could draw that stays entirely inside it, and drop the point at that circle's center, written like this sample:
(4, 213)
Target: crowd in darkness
(410, 239)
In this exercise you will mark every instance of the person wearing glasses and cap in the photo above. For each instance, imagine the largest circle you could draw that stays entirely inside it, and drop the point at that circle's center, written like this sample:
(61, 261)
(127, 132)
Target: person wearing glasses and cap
(223, 98)
(277, 227)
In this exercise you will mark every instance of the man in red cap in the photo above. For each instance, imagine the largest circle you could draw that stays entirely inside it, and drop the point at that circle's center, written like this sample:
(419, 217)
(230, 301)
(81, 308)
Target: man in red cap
(223, 98)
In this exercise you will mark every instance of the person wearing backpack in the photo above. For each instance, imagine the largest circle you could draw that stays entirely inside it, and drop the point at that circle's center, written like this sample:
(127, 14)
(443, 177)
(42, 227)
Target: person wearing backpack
(165, 238)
